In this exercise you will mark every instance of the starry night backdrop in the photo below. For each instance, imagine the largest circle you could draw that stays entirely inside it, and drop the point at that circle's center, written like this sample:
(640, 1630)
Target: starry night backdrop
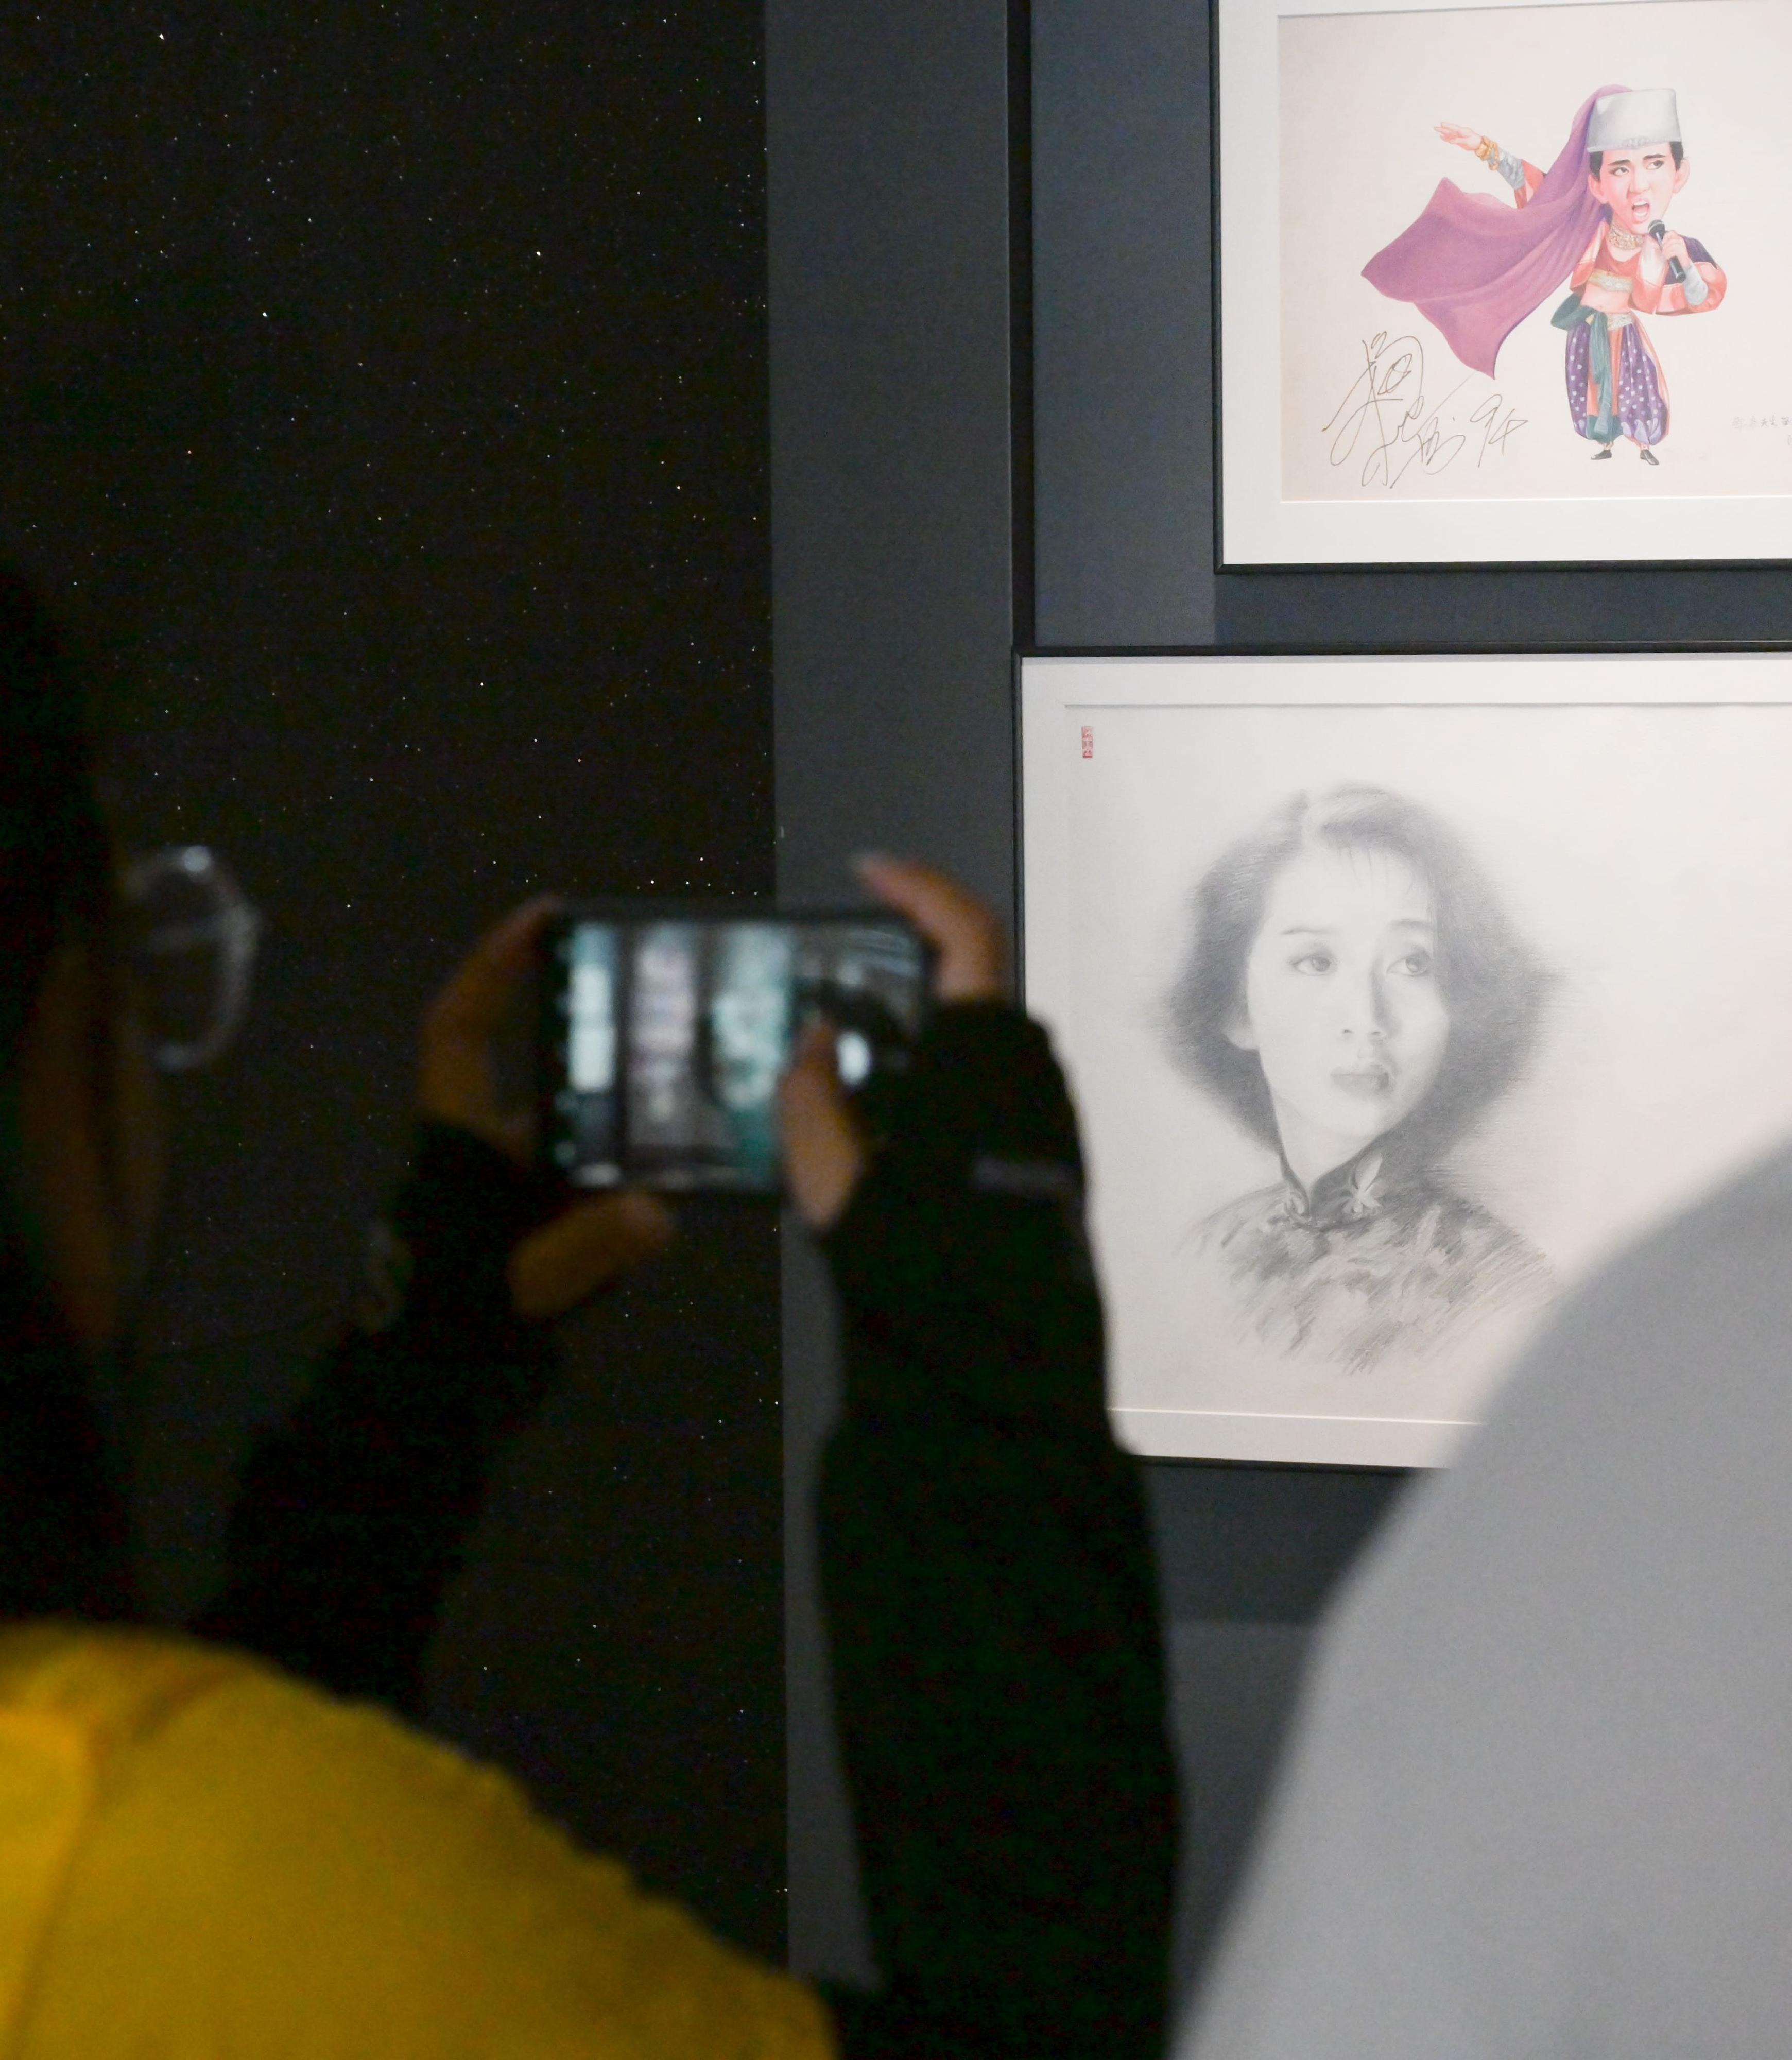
(382, 393)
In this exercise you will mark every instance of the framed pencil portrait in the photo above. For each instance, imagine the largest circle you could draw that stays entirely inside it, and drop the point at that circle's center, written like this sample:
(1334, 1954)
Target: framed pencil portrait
(1498, 284)
(1395, 994)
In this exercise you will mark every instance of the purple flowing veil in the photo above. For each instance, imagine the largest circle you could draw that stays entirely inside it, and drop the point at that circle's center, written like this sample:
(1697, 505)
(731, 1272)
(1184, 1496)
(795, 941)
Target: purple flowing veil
(1477, 266)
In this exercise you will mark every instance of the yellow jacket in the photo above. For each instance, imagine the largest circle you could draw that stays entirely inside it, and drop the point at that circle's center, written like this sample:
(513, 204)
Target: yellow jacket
(201, 1860)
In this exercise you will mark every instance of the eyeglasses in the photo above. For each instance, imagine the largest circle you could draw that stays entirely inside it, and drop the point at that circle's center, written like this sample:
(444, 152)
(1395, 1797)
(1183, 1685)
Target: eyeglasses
(193, 937)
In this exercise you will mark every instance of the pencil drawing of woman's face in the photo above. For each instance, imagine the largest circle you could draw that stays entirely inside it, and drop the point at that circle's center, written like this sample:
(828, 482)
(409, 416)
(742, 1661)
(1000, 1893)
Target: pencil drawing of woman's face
(1340, 1000)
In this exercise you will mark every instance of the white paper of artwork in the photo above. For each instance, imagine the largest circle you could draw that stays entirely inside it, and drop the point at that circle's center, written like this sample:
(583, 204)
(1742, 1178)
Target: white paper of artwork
(1629, 815)
(1351, 432)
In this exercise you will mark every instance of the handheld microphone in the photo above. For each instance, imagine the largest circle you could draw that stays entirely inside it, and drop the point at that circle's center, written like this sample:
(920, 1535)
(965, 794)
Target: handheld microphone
(1676, 271)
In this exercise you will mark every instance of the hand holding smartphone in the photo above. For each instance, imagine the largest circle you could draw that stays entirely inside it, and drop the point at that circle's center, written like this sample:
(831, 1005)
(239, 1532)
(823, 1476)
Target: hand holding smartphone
(664, 1029)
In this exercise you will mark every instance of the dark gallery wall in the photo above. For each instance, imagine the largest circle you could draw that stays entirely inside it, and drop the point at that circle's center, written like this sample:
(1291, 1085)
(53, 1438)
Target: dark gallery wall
(893, 622)
(1119, 148)
(382, 390)
(931, 296)
(903, 581)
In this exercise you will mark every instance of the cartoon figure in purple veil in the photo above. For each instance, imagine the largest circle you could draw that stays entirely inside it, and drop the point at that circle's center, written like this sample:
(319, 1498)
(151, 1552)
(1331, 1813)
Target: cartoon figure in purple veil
(1597, 219)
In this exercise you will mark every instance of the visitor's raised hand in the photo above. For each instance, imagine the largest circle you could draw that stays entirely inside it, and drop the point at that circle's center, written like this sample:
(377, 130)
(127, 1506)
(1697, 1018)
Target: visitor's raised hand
(824, 1154)
(1464, 139)
(554, 1268)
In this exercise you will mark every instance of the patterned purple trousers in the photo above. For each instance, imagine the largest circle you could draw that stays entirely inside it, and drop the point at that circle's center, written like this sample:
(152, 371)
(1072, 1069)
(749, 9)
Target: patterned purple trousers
(1639, 403)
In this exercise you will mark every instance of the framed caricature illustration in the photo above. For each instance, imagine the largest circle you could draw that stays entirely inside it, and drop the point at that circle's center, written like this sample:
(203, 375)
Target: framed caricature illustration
(1395, 994)
(1497, 283)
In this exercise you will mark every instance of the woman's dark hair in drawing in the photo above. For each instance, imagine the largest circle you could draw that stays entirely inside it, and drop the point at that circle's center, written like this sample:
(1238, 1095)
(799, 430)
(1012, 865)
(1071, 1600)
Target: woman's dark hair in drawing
(1493, 985)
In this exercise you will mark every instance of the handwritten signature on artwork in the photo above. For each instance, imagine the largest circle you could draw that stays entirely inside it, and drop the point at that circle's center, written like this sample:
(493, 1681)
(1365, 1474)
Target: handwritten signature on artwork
(1386, 422)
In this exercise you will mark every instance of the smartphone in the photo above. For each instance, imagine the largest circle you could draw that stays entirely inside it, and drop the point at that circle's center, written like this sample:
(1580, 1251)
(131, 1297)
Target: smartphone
(664, 1028)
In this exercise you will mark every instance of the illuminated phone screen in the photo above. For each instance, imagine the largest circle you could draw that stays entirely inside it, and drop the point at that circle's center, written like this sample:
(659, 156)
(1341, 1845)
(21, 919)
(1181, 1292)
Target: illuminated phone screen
(666, 1036)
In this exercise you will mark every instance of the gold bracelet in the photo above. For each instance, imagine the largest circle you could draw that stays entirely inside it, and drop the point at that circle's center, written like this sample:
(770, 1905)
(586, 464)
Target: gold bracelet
(1487, 149)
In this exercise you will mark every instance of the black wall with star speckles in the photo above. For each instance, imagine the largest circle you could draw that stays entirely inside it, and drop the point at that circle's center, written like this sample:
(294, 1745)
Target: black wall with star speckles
(382, 390)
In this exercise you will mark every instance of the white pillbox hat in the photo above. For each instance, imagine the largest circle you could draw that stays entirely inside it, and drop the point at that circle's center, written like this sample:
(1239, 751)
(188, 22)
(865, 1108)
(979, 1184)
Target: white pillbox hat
(1627, 121)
